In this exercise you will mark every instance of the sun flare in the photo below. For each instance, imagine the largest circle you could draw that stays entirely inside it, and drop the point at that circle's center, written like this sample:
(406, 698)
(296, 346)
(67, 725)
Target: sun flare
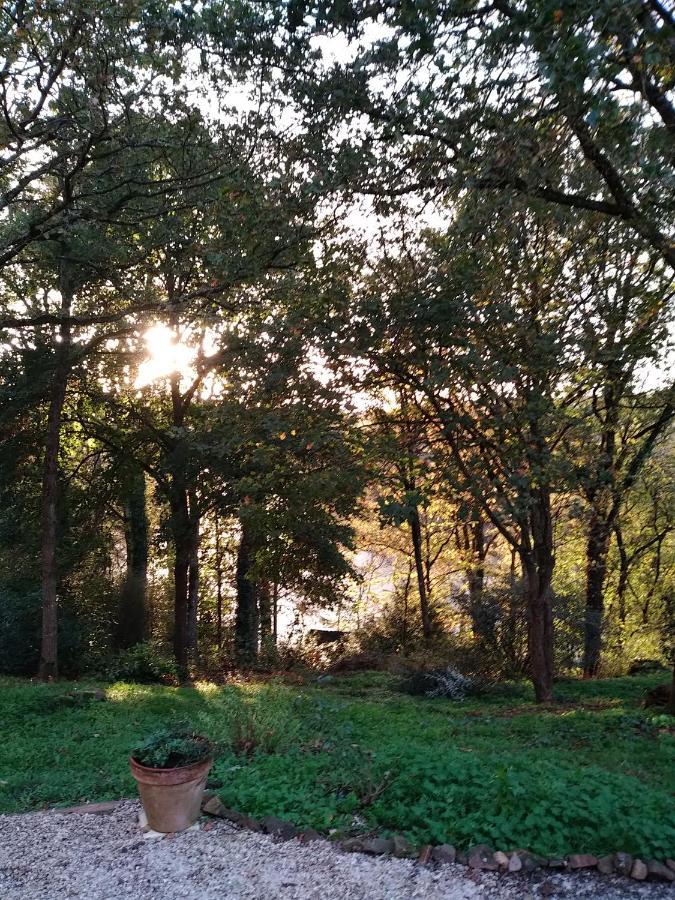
(166, 355)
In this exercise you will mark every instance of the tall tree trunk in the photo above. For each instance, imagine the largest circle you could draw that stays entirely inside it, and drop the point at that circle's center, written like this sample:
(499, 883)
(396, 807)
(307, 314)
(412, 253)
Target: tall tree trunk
(597, 549)
(475, 552)
(538, 562)
(181, 568)
(275, 610)
(219, 585)
(622, 583)
(193, 587)
(540, 632)
(182, 524)
(616, 474)
(132, 626)
(512, 568)
(265, 607)
(476, 579)
(406, 596)
(416, 533)
(185, 577)
(48, 667)
(246, 616)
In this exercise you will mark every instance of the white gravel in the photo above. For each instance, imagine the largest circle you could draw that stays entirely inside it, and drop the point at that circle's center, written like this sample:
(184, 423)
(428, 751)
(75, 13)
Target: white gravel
(48, 856)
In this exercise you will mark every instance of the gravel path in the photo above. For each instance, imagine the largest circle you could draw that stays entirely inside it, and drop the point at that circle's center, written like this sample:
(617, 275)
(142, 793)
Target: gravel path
(49, 856)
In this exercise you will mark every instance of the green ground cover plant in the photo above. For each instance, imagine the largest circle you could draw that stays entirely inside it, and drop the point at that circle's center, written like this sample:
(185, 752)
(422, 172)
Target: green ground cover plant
(172, 747)
(595, 772)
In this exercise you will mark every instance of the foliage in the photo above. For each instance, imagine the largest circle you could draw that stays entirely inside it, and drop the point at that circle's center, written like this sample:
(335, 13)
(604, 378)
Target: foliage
(393, 629)
(448, 682)
(255, 728)
(145, 663)
(171, 749)
(499, 648)
(644, 666)
(594, 773)
(572, 272)
(20, 629)
(588, 83)
(474, 390)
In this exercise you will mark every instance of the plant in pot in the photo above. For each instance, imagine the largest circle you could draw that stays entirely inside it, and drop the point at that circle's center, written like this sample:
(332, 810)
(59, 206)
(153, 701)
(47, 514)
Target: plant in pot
(170, 769)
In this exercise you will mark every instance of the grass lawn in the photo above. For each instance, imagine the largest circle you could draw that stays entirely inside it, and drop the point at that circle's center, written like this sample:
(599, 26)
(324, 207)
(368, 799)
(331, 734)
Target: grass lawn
(593, 774)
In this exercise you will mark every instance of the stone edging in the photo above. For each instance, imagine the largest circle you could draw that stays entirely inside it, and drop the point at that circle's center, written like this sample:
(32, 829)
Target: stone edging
(478, 857)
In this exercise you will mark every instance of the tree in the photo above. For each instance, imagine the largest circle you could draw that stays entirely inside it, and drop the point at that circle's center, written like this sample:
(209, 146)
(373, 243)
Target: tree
(225, 274)
(132, 625)
(628, 294)
(76, 211)
(642, 562)
(477, 328)
(287, 447)
(402, 469)
(80, 91)
(569, 104)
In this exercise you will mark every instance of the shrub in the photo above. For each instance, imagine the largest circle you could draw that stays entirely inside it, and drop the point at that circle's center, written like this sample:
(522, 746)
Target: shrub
(658, 696)
(499, 624)
(286, 656)
(395, 629)
(19, 630)
(172, 748)
(302, 656)
(20, 617)
(446, 682)
(645, 666)
(357, 662)
(145, 663)
(356, 780)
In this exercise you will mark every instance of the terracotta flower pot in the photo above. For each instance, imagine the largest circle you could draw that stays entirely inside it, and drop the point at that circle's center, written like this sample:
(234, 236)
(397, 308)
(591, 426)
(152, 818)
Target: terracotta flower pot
(171, 798)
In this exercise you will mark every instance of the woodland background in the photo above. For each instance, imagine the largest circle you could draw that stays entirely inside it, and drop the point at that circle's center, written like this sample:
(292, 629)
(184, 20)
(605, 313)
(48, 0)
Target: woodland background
(355, 308)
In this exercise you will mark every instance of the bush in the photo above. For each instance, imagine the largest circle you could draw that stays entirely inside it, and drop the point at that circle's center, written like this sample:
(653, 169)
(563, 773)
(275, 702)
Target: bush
(645, 666)
(19, 630)
(302, 656)
(395, 629)
(145, 663)
(172, 748)
(357, 662)
(658, 696)
(20, 619)
(446, 682)
(499, 623)
(495, 646)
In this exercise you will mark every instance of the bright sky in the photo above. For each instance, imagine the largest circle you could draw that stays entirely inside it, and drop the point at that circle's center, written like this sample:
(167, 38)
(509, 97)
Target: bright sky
(166, 355)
